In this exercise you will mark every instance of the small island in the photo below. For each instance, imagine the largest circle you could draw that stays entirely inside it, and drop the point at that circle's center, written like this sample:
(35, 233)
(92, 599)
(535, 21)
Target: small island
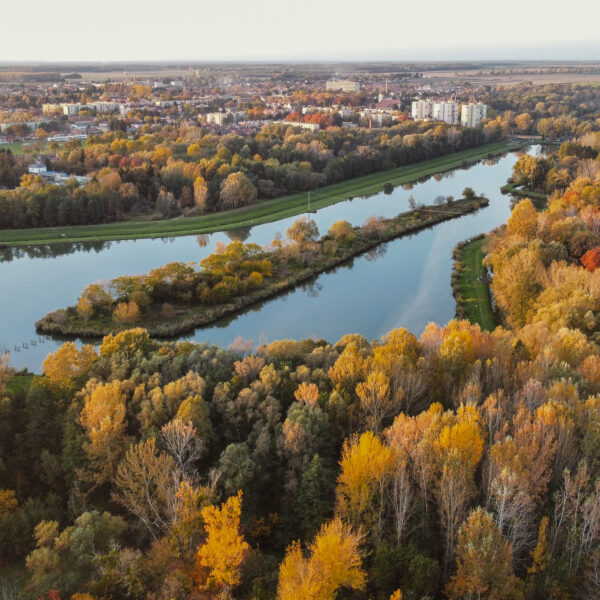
(180, 297)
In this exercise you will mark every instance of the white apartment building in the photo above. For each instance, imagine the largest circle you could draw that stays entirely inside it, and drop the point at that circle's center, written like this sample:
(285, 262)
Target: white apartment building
(422, 109)
(472, 114)
(446, 111)
(342, 85)
(71, 109)
(218, 118)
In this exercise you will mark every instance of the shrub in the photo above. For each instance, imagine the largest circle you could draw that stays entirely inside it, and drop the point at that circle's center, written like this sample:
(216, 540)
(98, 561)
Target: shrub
(126, 312)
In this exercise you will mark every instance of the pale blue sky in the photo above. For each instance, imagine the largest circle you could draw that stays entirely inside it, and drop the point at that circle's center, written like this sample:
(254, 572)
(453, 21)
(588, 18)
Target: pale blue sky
(110, 30)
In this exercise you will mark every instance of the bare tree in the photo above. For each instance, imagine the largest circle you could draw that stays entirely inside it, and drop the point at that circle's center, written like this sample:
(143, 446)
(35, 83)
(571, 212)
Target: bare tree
(180, 441)
(401, 495)
(147, 484)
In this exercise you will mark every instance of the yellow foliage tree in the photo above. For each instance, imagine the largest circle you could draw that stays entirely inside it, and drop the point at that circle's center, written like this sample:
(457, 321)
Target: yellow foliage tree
(68, 363)
(465, 436)
(307, 393)
(225, 549)
(334, 562)
(523, 220)
(103, 418)
(127, 312)
(129, 343)
(85, 309)
(366, 465)
(8, 502)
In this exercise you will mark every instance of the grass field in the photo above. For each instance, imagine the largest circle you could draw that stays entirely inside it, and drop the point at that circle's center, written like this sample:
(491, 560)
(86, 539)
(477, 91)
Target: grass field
(19, 383)
(262, 212)
(17, 147)
(475, 296)
(515, 190)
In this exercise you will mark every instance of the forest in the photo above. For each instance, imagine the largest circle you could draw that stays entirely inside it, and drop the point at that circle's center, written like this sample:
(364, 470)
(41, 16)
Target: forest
(457, 464)
(175, 170)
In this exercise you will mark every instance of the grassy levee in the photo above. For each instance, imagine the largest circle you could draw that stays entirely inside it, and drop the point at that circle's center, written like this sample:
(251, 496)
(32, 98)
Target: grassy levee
(469, 286)
(262, 212)
(516, 190)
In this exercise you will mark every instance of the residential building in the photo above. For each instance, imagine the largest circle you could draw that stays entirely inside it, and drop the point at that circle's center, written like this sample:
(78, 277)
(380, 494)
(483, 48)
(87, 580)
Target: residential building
(71, 109)
(446, 111)
(342, 85)
(422, 109)
(472, 114)
(37, 168)
(218, 118)
(309, 126)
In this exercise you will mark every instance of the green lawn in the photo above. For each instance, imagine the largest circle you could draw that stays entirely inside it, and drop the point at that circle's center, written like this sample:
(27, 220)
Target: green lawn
(19, 383)
(17, 147)
(475, 294)
(516, 190)
(262, 212)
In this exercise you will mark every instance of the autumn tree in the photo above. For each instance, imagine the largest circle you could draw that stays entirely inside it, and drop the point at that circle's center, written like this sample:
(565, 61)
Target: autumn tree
(366, 466)
(376, 401)
(127, 312)
(342, 231)
(221, 556)
(146, 484)
(591, 259)
(237, 190)
(523, 220)
(523, 121)
(200, 192)
(484, 561)
(334, 562)
(104, 422)
(69, 363)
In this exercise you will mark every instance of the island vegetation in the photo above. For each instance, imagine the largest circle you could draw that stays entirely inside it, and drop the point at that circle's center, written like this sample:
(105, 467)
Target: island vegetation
(179, 297)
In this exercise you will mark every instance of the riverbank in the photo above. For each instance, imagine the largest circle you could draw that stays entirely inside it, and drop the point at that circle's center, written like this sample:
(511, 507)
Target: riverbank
(265, 211)
(521, 192)
(185, 318)
(470, 285)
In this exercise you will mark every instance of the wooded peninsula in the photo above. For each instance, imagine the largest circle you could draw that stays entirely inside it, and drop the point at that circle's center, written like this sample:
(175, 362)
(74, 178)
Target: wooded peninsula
(177, 297)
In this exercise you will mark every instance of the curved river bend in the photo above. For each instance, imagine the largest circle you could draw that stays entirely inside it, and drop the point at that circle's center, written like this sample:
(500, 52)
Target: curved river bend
(405, 283)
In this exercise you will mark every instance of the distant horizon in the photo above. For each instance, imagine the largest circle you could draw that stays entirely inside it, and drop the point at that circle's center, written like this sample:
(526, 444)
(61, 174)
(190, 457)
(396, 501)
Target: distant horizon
(273, 30)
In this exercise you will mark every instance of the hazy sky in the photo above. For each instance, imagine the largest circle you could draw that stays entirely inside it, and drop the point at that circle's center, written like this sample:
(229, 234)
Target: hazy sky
(109, 30)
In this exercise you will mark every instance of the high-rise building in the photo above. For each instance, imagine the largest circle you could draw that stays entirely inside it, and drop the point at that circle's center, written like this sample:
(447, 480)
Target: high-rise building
(342, 85)
(472, 114)
(446, 111)
(422, 109)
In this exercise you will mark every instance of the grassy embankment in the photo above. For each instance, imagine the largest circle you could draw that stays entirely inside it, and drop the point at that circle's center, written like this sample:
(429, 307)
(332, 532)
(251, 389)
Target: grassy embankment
(469, 284)
(286, 275)
(262, 212)
(516, 190)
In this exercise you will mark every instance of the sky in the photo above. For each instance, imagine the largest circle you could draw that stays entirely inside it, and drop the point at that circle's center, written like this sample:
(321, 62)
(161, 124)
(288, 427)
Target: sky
(281, 30)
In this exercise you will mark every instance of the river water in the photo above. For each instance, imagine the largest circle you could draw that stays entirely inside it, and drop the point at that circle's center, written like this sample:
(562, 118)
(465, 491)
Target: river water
(404, 283)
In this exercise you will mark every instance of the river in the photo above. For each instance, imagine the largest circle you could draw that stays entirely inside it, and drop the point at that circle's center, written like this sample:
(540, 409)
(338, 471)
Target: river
(405, 283)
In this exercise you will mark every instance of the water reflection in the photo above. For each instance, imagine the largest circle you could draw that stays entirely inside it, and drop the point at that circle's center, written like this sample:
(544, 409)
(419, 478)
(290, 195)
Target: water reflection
(51, 250)
(239, 234)
(402, 283)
